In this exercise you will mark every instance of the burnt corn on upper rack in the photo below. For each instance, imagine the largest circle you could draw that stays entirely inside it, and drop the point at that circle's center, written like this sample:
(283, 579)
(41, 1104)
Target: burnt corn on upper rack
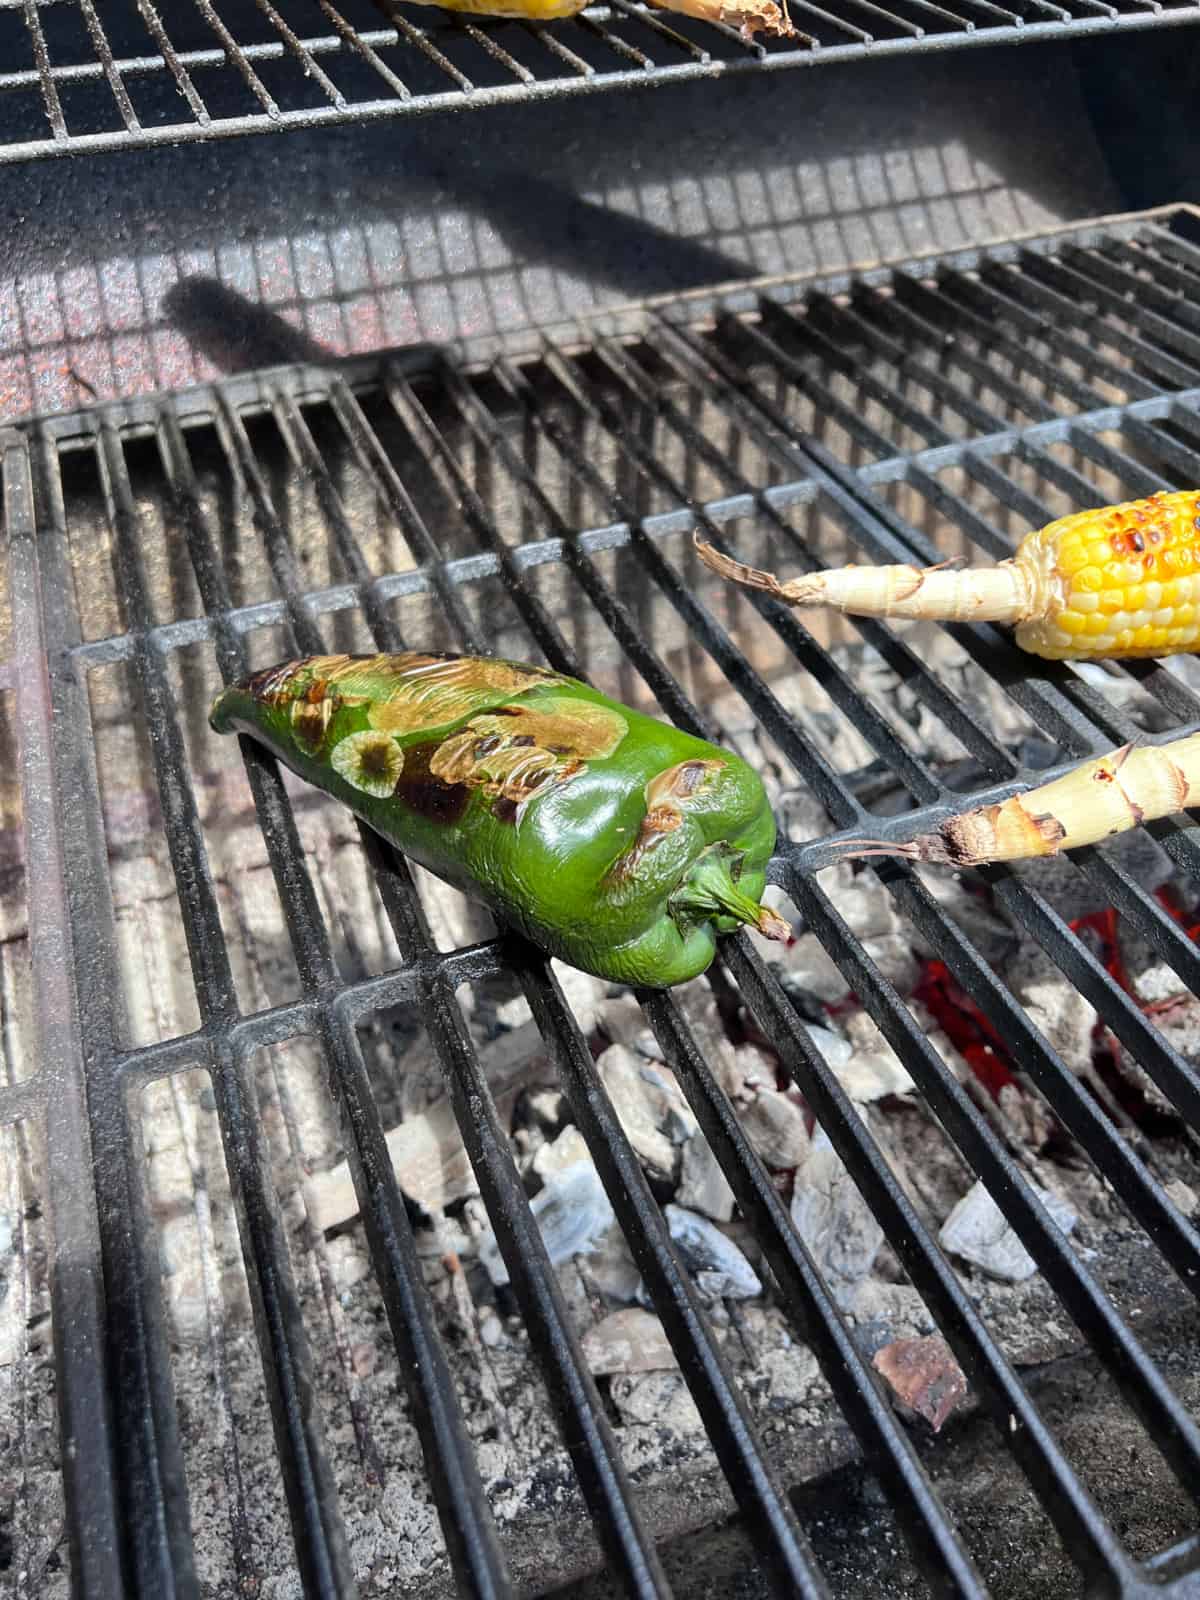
(1101, 585)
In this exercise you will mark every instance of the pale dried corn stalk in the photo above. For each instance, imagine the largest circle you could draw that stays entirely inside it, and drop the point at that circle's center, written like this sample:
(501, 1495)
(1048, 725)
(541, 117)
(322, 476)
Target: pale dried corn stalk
(1129, 786)
(1119, 581)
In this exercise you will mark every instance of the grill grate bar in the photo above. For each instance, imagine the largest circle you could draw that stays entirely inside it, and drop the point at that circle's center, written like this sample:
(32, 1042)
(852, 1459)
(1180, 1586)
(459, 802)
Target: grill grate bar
(317, 1531)
(1165, 1065)
(584, 1426)
(363, 47)
(175, 65)
(916, 303)
(714, 1390)
(236, 56)
(101, 46)
(920, 782)
(1047, 301)
(152, 1512)
(1176, 1435)
(611, 428)
(1024, 1433)
(465, 1518)
(630, 33)
(77, 1290)
(1048, 697)
(810, 763)
(957, 717)
(309, 65)
(1144, 1198)
(753, 1484)
(836, 683)
(45, 77)
(1076, 1110)
(810, 1305)
(770, 1519)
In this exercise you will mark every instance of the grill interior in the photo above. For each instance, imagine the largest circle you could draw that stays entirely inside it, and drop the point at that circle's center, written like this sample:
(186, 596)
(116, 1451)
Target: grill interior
(214, 985)
(75, 79)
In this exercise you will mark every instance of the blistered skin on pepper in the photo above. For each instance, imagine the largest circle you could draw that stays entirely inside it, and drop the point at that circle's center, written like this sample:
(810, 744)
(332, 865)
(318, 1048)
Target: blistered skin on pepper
(614, 841)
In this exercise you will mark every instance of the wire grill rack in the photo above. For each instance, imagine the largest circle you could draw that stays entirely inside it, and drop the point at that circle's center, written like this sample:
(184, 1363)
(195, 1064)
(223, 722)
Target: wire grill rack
(75, 79)
(993, 389)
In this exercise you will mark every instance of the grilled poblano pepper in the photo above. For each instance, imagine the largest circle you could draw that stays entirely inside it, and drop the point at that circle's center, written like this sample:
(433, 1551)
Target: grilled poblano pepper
(613, 841)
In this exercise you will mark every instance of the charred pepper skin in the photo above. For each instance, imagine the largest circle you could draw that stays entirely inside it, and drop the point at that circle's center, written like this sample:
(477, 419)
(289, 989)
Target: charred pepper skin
(615, 842)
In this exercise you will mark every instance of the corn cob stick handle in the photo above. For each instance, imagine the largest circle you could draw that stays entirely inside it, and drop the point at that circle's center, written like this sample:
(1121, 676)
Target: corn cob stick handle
(1116, 582)
(1115, 792)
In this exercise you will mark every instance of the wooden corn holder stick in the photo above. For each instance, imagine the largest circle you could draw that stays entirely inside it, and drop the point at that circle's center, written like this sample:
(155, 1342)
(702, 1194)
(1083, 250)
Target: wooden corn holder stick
(1118, 791)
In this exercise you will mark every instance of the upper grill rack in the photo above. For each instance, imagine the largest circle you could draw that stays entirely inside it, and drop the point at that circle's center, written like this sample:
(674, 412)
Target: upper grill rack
(1040, 374)
(75, 80)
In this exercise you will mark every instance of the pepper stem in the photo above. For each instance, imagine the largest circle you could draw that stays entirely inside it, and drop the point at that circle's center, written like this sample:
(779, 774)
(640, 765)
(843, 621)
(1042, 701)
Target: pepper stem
(710, 889)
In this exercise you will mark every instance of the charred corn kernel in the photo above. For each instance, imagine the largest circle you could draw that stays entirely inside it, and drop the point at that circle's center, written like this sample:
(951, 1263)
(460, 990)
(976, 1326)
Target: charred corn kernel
(1116, 581)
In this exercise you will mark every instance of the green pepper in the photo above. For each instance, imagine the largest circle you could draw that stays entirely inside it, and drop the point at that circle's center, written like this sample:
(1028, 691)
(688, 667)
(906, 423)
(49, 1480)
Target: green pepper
(611, 840)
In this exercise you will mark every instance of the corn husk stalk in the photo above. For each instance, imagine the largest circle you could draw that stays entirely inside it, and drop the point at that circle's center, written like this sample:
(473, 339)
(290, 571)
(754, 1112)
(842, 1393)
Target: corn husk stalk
(1116, 582)
(1118, 791)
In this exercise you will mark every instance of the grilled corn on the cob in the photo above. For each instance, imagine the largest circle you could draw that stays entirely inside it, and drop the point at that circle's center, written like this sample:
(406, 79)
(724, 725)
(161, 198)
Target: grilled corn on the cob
(1119, 581)
(748, 16)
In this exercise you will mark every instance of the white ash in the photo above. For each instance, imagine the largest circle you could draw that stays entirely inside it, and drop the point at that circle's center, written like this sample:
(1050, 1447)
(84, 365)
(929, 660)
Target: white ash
(569, 1147)
(866, 1066)
(698, 1007)
(871, 915)
(977, 1231)
(628, 1341)
(659, 1401)
(703, 1186)
(835, 1049)
(608, 1270)
(916, 724)
(833, 1220)
(1073, 894)
(1127, 695)
(874, 1075)
(774, 1124)
(572, 1212)
(1182, 1196)
(1029, 1122)
(716, 1266)
(1178, 1021)
(426, 1151)
(622, 1020)
(1152, 979)
(964, 899)
(884, 1312)
(800, 695)
(808, 969)
(585, 996)
(650, 1107)
(547, 1108)
(1054, 1006)
(491, 1330)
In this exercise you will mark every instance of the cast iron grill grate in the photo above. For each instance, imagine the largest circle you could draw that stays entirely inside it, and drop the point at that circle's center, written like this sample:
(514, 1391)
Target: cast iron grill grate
(978, 394)
(73, 79)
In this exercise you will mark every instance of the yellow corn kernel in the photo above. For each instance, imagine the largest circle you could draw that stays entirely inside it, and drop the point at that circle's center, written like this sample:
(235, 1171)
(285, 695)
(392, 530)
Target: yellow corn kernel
(1130, 574)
